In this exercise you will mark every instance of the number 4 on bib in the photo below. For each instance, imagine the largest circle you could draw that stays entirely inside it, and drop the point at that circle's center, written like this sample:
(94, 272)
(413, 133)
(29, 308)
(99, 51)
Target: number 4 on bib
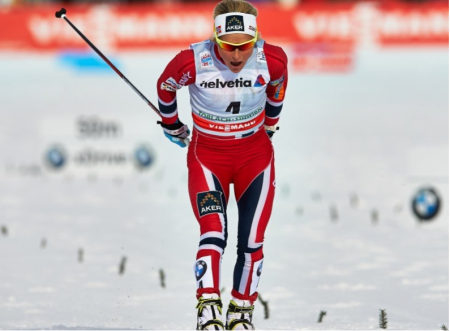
(234, 107)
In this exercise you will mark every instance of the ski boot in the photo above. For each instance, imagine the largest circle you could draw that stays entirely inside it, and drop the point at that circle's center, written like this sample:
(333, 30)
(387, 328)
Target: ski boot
(209, 315)
(239, 315)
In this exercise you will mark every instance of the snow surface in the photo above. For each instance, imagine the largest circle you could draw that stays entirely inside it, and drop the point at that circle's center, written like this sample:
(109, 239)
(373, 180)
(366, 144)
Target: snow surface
(360, 144)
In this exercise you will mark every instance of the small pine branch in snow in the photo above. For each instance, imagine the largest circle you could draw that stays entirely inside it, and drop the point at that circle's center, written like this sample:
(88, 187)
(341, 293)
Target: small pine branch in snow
(354, 200)
(4, 230)
(80, 255)
(265, 305)
(334, 215)
(374, 216)
(299, 210)
(122, 265)
(162, 278)
(43, 243)
(383, 319)
(443, 327)
(321, 316)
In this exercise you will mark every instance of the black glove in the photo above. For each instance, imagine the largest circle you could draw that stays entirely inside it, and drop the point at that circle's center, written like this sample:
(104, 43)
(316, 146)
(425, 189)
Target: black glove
(177, 132)
(270, 130)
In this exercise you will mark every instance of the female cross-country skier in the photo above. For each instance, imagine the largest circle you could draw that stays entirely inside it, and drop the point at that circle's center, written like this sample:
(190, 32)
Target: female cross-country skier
(237, 84)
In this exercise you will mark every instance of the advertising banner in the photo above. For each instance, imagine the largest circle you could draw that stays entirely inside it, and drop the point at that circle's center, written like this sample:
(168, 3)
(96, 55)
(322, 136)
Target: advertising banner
(422, 24)
(147, 26)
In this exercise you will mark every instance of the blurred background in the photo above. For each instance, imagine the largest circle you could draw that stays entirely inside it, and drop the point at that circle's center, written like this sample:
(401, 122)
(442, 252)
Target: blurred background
(97, 230)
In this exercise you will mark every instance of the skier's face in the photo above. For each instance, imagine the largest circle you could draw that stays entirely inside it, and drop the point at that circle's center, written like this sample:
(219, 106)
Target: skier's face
(236, 59)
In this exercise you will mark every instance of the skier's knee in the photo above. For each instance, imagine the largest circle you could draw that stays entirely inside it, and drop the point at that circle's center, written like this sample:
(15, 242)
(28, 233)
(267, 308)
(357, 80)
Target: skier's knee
(213, 240)
(242, 249)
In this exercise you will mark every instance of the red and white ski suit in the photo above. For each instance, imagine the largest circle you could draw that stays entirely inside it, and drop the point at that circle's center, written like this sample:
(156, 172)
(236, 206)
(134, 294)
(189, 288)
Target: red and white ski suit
(229, 146)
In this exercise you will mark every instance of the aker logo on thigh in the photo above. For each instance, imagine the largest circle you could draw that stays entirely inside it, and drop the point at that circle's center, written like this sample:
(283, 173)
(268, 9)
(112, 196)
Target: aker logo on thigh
(209, 202)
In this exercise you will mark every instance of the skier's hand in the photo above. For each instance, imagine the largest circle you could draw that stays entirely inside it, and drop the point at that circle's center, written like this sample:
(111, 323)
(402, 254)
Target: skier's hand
(270, 130)
(177, 133)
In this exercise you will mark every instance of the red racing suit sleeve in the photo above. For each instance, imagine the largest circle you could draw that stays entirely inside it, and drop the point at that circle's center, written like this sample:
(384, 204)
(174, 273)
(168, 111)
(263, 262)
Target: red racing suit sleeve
(178, 73)
(277, 63)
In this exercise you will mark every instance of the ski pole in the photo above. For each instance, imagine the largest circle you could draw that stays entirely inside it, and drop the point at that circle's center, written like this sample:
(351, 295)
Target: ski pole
(62, 14)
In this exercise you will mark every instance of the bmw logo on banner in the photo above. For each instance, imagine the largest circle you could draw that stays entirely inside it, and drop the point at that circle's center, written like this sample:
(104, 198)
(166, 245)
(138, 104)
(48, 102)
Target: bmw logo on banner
(55, 157)
(426, 203)
(144, 157)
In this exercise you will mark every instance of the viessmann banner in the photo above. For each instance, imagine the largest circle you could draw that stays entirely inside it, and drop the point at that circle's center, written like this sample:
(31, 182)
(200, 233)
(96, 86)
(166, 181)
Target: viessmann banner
(142, 27)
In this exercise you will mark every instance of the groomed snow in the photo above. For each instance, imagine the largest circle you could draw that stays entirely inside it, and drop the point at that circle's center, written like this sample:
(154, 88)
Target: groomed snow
(360, 143)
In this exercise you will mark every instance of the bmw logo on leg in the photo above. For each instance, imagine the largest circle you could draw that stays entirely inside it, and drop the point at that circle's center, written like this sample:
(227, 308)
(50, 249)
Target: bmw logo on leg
(426, 204)
(259, 270)
(200, 269)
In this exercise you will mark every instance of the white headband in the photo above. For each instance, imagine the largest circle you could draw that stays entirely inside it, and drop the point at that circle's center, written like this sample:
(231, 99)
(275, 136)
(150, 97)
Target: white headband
(235, 23)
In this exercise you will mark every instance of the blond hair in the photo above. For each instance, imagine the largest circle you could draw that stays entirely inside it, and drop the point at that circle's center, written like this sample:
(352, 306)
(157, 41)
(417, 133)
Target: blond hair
(234, 6)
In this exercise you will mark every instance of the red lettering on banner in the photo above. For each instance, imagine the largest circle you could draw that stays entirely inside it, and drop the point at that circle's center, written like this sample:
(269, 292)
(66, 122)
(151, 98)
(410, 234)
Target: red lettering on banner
(117, 27)
(324, 26)
(147, 26)
(413, 26)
